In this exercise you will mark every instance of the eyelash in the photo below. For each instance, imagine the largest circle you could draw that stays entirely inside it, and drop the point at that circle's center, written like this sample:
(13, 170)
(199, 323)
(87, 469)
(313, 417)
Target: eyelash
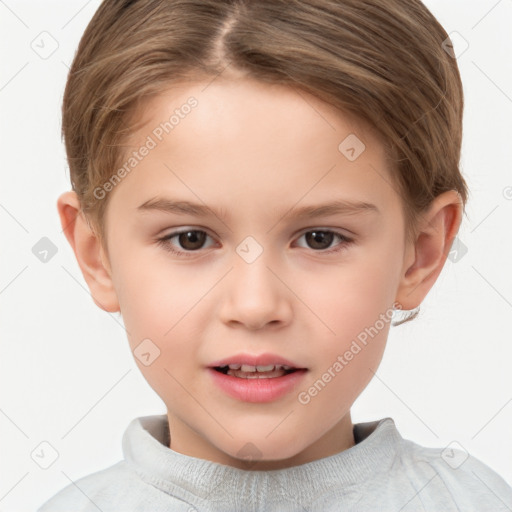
(165, 242)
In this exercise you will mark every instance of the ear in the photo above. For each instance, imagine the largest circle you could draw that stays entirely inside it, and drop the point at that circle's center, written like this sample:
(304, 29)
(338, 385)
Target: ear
(89, 253)
(426, 256)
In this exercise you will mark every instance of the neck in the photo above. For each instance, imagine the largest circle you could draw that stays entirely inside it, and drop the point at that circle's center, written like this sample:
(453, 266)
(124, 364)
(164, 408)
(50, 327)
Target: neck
(189, 442)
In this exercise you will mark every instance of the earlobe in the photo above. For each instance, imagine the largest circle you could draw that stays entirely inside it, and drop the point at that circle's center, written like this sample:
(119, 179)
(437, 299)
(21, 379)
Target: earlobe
(427, 256)
(88, 252)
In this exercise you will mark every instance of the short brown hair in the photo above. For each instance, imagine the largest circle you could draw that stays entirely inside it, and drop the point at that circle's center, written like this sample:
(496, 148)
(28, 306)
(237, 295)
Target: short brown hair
(383, 61)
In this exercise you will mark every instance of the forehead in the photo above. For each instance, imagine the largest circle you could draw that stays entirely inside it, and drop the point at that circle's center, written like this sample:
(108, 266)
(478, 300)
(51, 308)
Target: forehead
(234, 109)
(246, 143)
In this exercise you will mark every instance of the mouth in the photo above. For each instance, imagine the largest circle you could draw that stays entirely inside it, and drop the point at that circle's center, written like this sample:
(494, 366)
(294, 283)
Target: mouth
(256, 366)
(247, 371)
(255, 379)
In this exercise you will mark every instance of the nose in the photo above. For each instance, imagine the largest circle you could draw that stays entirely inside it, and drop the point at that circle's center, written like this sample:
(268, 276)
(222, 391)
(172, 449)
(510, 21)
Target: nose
(255, 296)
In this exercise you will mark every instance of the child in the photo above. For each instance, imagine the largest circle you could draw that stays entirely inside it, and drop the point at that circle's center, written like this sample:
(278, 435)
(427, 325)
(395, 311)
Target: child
(263, 130)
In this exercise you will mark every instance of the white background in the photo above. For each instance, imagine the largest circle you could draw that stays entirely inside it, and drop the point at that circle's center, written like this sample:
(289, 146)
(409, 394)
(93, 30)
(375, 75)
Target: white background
(67, 376)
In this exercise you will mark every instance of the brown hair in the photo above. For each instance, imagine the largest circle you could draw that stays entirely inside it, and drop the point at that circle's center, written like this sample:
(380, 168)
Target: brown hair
(383, 61)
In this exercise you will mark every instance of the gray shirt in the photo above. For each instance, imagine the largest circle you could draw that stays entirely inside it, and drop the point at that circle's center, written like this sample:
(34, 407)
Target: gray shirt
(381, 472)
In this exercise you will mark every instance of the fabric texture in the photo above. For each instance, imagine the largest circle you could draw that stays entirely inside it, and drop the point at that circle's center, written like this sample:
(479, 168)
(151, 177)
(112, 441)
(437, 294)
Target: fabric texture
(381, 472)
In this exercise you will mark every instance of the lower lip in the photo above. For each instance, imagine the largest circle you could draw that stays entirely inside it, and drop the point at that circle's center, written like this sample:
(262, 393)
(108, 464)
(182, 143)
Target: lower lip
(257, 390)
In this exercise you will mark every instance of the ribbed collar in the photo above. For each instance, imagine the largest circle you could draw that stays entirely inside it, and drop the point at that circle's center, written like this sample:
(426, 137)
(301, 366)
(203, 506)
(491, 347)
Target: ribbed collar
(189, 478)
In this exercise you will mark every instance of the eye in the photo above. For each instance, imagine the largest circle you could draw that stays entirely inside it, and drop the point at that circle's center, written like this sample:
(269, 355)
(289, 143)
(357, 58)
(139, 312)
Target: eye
(321, 239)
(189, 239)
(192, 240)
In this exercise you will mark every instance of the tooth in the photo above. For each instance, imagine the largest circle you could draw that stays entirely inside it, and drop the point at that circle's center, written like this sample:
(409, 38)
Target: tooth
(259, 368)
(257, 375)
(267, 368)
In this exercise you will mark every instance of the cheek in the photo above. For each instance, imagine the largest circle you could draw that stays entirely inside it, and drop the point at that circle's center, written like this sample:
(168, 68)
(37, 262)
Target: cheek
(148, 306)
(155, 307)
(153, 295)
(345, 363)
(156, 319)
(352, 297)
(354, 303)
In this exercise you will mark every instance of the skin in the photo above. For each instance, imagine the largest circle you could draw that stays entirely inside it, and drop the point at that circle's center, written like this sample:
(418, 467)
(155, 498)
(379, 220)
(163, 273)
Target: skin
(257, 151)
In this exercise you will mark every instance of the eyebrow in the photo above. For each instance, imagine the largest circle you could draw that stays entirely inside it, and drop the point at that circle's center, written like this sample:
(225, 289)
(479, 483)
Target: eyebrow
(337, 207)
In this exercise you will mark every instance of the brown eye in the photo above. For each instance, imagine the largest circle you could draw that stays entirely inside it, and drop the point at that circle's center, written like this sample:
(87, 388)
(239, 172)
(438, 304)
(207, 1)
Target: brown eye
(323, 241)
(319, 239)
(191, 240)
(187, 243)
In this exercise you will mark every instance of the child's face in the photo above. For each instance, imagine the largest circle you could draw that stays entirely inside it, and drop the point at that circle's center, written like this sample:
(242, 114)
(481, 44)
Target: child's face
(260, 282)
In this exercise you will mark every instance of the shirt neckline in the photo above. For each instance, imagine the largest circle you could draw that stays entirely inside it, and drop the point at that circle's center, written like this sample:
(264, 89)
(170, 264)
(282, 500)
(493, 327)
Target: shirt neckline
(145, 448)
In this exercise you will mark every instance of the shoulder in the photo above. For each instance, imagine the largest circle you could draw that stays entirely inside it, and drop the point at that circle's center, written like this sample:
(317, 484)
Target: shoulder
(115, 488)
(82, 494)
(452, 475)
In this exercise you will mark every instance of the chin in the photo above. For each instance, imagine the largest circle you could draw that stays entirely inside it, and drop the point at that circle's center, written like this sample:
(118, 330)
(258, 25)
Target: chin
(251, 452)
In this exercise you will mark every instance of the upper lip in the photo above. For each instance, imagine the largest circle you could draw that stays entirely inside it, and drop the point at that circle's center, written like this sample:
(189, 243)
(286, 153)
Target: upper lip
(256, 360)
